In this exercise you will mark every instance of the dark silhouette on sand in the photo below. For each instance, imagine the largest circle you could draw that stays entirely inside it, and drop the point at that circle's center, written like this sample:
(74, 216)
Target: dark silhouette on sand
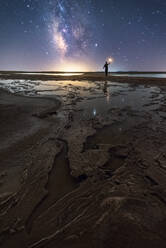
(106, 68)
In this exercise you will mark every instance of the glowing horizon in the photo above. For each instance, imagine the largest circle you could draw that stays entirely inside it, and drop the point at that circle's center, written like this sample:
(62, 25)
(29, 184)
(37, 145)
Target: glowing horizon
(68, 65)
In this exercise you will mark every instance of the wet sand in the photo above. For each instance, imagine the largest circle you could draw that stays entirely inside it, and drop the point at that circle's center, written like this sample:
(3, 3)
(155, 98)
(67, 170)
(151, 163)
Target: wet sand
(89, 76)
(88, 171)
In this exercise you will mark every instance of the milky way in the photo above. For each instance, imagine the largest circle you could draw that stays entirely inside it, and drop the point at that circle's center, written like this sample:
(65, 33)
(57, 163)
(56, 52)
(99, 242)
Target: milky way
(71, 27)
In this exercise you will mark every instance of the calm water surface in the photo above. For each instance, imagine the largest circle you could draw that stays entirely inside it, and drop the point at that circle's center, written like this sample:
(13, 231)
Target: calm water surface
(148, 75)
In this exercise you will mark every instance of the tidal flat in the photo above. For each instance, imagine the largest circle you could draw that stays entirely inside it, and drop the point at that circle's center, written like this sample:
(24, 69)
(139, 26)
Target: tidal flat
(83, 161)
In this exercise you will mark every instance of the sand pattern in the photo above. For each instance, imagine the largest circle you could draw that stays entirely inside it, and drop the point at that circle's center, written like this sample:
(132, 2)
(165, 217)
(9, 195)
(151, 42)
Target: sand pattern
(86, 170)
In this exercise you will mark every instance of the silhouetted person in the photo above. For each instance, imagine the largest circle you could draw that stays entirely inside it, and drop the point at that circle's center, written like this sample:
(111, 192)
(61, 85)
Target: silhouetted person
(106, 68)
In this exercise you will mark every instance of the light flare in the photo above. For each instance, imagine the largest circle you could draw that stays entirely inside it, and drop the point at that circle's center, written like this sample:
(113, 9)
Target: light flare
(110, 60)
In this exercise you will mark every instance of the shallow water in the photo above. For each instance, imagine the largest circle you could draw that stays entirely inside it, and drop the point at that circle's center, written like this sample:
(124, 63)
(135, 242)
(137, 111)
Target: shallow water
(23, 87)
(96, 98)
(121, 96)
(148, 75)
(52, 74)
(126, 106)
(28, 87)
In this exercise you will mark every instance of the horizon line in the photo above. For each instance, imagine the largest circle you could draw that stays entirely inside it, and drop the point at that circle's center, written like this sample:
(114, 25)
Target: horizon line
(54, 71)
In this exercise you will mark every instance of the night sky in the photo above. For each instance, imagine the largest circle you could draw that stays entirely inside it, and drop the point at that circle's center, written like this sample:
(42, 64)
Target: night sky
(81, 34)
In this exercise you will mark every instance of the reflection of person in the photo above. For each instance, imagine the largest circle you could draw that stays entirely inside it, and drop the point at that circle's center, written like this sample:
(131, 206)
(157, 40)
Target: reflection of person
(105, 90)
(106, 68)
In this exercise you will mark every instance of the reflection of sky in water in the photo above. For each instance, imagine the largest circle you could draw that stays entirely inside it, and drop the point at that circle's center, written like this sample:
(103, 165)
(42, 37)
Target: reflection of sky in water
(28, 87)
(52, 74)
(19, 86)
(149, 75)
(61, 88)
(119, 97)
(96, 97)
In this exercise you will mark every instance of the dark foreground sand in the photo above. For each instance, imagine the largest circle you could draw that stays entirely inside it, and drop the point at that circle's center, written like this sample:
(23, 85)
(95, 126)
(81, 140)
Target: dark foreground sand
(59, 188)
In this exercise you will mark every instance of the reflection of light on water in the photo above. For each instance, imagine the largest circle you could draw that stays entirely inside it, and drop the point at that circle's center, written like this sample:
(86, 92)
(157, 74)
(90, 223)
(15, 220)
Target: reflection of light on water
(70, 74)
(94, 112)
(153, 75)
(108, 98)
(52, 74)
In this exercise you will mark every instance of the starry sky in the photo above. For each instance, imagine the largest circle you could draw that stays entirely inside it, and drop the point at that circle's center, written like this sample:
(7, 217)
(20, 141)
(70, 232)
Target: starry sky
(80, 35)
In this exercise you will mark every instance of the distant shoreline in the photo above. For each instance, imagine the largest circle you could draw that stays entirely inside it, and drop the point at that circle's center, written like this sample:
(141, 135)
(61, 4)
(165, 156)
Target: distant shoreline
(87, 76)
(91, 72)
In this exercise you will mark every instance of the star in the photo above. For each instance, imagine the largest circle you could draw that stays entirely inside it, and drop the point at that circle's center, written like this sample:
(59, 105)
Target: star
(88, 30)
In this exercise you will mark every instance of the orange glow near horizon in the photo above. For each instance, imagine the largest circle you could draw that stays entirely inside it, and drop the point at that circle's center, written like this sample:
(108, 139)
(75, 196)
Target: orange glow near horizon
(73, 67)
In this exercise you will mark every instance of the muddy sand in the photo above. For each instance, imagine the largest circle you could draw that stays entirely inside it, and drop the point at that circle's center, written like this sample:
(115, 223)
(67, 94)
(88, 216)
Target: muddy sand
(89, 76)
(86, 169)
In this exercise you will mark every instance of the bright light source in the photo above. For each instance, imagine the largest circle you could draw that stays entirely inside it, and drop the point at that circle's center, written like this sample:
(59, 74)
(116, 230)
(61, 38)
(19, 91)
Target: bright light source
(110, 60)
